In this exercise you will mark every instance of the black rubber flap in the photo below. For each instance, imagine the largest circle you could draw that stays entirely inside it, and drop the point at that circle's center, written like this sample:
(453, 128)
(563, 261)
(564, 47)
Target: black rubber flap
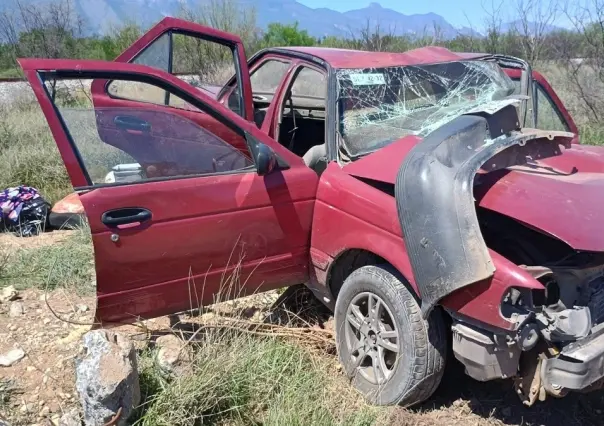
(436, 209)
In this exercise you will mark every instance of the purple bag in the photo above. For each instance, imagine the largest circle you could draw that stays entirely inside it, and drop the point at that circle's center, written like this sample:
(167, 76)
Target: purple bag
(23, 211)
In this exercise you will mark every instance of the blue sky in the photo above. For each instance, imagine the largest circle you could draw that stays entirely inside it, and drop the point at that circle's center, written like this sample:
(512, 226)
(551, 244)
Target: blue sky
(457, 12)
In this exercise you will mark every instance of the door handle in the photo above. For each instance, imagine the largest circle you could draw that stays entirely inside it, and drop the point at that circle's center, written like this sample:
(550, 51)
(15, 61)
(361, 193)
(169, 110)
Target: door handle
(125, 216)
(128, 122)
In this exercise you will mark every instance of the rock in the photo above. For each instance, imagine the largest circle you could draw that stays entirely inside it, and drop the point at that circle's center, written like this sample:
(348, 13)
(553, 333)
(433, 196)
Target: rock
(16, 309)
(11, 357)
(44, 412)
(46, 321)
(173, 356)
(73, 336)
(31, 368)
(8, 294)
(4, 422)
(71, 418)
(107, 377)
(26, 408)
(82, 308)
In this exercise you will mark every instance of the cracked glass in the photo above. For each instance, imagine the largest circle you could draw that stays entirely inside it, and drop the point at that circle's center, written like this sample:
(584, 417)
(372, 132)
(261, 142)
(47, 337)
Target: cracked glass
(377, 106)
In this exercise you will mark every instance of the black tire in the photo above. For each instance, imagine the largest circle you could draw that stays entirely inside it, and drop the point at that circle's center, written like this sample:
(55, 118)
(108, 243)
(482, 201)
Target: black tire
(422, 345)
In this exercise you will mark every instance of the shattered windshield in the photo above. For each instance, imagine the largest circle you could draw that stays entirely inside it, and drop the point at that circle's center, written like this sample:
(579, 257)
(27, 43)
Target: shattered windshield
(380, 105)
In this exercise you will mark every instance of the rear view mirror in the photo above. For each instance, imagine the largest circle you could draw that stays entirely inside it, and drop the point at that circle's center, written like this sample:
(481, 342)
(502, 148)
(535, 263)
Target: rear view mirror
(266, 159)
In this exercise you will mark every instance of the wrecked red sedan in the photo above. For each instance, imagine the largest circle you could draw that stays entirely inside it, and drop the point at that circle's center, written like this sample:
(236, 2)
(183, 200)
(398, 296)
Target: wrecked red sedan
(430, 198)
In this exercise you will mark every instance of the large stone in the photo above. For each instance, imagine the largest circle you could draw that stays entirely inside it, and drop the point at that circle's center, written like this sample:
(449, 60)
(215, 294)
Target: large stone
(11, 357)
(107, 377)
(70, 418)
(8, 294)
(16, 309)
(173, 356)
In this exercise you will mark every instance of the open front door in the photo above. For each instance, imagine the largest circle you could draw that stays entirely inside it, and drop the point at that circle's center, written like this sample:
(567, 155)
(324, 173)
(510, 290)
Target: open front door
(194, 221)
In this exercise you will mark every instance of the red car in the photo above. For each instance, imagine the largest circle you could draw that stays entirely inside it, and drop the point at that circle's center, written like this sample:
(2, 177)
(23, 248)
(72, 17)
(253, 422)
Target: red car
(430, 198)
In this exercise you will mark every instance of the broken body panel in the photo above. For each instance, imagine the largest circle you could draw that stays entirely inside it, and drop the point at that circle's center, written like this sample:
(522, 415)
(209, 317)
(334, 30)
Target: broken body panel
(468, 172)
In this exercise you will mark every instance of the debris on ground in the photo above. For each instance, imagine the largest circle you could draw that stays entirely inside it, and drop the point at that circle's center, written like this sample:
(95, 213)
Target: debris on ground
(67, 213)
(174, 357)
(11, 357)
(107, 377)
(23, 211)
(16, 309)
(71, 418)
(8, 294)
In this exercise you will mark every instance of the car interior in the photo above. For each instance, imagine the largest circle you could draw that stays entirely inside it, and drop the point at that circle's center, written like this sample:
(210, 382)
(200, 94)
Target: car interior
(301, 120)
(301, 125)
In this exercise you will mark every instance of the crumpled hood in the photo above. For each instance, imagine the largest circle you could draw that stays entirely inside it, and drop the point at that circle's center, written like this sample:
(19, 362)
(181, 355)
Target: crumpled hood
(564, 197)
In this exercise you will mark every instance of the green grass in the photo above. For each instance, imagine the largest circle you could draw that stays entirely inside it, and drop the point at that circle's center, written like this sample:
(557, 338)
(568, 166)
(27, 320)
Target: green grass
(28, 153)
(592, 134)
(67, 264)
(11, 73)
(238, 379)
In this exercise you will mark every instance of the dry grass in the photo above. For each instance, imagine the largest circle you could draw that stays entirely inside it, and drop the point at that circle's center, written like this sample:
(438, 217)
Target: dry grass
(65, 262)
(572, 88)
(28, 153)
(241, 379)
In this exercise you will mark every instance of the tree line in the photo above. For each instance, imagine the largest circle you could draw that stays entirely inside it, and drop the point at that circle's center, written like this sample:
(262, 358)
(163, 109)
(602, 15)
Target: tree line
(55, 30)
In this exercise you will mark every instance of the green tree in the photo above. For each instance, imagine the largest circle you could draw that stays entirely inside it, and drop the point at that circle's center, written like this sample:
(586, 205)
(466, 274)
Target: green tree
(286, 35)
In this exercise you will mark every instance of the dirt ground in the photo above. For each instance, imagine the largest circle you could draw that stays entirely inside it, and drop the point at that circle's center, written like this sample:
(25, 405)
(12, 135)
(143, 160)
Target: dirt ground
(43, 381)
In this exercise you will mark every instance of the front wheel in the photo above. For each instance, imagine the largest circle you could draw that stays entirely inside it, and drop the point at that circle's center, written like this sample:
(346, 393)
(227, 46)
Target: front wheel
(392, 354)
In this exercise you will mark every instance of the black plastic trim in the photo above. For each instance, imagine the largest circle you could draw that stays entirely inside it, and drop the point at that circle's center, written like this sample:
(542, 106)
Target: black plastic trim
(436, 210)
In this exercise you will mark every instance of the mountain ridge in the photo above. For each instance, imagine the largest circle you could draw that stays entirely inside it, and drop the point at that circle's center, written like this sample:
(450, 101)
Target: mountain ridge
(102, 15)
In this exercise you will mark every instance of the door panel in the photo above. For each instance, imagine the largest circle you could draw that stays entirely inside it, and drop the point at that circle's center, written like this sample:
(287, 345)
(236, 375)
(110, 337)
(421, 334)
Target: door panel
(225, 231)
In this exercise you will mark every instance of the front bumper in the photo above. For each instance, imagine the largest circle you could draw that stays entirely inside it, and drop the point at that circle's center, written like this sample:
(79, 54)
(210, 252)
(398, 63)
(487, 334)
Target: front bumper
(579, 365)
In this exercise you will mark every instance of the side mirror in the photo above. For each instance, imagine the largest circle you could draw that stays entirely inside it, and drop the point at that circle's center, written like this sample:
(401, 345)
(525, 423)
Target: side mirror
(266, 159)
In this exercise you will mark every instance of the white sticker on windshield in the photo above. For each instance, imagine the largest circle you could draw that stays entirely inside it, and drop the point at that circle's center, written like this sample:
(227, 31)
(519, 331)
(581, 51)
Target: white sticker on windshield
(367, 79)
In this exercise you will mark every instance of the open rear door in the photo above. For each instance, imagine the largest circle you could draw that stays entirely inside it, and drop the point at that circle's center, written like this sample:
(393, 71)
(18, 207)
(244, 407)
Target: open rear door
(195, 221)
(203, 56)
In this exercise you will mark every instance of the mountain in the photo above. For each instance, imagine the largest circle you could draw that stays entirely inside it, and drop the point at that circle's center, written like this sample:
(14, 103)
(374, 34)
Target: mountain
(101, 15)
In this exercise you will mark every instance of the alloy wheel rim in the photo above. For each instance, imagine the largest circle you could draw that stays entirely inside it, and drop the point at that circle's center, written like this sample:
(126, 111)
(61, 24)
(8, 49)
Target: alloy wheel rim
(372, 338)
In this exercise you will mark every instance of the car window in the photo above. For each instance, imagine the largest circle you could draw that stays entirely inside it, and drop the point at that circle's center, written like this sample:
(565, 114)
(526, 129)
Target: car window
(125, 144)
(267, 77)
(265, 80)
(205, 64)
(310, 83)
(548, 116)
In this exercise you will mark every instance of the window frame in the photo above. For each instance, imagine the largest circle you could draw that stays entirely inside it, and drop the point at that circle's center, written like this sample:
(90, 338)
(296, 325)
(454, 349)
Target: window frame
(250, 140)
(264, 62)
(539, 88)
(298, 67)
(170, 33)
(226, 91)
(535, 102)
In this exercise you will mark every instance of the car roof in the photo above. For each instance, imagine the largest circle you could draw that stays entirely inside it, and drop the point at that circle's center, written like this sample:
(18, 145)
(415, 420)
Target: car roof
(348, 58)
